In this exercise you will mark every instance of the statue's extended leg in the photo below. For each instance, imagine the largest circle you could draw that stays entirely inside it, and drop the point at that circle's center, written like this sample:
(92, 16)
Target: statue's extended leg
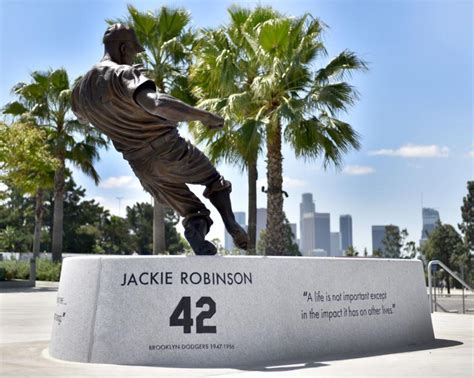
(196, 221)
(219, 195)
(195, 231)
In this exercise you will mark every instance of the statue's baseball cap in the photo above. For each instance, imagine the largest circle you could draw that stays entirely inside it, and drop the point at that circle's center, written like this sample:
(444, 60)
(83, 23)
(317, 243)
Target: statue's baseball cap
(121, 32)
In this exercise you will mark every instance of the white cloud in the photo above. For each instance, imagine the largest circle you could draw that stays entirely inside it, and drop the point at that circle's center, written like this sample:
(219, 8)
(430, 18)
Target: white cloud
(471, 154)
(293, 183)
(414, 151)
(358, 170)
(120, 182)
(288, 183)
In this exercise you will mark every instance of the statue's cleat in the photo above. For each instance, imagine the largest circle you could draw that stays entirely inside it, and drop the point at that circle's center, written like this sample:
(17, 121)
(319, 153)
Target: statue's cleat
(205, 248)
(240, 237)
(195, 231)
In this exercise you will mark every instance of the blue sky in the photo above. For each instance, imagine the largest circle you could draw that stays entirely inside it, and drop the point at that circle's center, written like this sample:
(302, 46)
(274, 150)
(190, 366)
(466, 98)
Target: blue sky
(415, 114)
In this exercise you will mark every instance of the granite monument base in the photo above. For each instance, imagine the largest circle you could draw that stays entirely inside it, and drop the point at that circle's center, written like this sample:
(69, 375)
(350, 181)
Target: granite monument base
(205, 311)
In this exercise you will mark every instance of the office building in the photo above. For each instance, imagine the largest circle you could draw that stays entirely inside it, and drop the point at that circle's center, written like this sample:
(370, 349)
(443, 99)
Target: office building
(307, 223)
(308, 233)
(345, 228)
(378, 234)
(261, 221)
(322, 222)
(430, 221)
(306, 205)
(336, 250)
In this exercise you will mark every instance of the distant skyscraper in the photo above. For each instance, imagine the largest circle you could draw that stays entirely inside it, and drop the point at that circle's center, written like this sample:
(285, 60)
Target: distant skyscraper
(336, 244)
(261, 221)
(345, 228)
(307, 224)
(240, 218)
(378, 234)
(323, 231)
(306, 205)
(430, 221)
(308, 233)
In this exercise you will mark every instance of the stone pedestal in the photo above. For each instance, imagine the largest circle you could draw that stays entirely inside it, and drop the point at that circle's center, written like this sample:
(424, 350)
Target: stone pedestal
(205, 311)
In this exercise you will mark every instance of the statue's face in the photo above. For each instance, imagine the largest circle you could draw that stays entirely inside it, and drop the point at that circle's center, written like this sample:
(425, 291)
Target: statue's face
(128, 52)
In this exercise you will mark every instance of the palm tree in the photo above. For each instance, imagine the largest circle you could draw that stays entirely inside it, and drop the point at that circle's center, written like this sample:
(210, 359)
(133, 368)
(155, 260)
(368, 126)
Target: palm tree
(298, 104)
(47, 100)
(168, 42)
(257, 72)
(222, 76)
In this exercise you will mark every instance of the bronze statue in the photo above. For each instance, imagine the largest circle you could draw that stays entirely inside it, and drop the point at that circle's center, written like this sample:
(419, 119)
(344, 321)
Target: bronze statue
(116, 98)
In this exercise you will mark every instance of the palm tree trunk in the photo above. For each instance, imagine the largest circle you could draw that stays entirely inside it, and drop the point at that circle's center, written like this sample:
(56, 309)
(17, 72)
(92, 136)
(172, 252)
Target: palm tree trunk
(252, 230)
(159, 242)
(58, 212)
(39, 210)
(275, 240)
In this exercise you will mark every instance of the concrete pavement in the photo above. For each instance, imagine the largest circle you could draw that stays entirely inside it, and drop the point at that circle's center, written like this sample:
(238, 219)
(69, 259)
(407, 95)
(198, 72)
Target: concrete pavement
(25, 329)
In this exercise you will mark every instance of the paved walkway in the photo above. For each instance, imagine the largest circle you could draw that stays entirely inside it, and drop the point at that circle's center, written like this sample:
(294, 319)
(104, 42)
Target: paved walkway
(25, 328)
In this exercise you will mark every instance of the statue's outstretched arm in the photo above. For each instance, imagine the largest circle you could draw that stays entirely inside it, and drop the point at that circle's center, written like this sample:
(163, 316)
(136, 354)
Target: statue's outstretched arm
(172, 109)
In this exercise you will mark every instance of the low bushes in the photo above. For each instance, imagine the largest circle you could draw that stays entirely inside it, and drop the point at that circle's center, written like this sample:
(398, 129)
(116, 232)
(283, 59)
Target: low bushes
(45, 270)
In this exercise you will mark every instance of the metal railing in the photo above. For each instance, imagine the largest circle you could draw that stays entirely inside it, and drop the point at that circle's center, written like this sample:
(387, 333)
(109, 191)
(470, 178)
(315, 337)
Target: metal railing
(460, 280)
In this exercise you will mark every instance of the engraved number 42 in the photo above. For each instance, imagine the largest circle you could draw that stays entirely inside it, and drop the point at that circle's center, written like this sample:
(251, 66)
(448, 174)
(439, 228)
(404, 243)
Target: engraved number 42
(181, 316)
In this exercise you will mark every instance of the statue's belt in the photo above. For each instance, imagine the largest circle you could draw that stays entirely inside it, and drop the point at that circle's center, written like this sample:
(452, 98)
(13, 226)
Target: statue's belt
(157, 144)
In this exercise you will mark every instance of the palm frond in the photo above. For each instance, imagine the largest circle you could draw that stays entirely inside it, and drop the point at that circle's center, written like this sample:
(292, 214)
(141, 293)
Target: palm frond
(341, 67)
(333, 97)
(324, 137)
(14, 108)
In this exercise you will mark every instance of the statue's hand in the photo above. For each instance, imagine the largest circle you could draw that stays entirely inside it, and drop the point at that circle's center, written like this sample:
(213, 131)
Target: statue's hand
(214, 121)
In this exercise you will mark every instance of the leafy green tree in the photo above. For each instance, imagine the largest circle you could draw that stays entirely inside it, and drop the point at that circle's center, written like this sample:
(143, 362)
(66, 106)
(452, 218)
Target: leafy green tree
(290, 245)
(46, 101)
(467, 213)
(351, 251)
(116, 237)
(17, 217)
(410, 250)
(140, 219)
(82, 220)
(393, 242)
(27, 163)
(168, 40)
(444, 244)
(13, 240)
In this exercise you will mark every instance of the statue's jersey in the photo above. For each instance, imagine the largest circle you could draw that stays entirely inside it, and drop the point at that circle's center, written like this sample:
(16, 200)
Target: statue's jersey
(105, 97)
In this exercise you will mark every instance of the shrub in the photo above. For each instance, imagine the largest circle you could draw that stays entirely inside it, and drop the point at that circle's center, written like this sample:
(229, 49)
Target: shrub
(16, 269)
(45, 270)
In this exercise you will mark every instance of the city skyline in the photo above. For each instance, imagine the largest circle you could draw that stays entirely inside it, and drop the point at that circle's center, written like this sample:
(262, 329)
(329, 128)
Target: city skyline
(339, 240)
(411, 133)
